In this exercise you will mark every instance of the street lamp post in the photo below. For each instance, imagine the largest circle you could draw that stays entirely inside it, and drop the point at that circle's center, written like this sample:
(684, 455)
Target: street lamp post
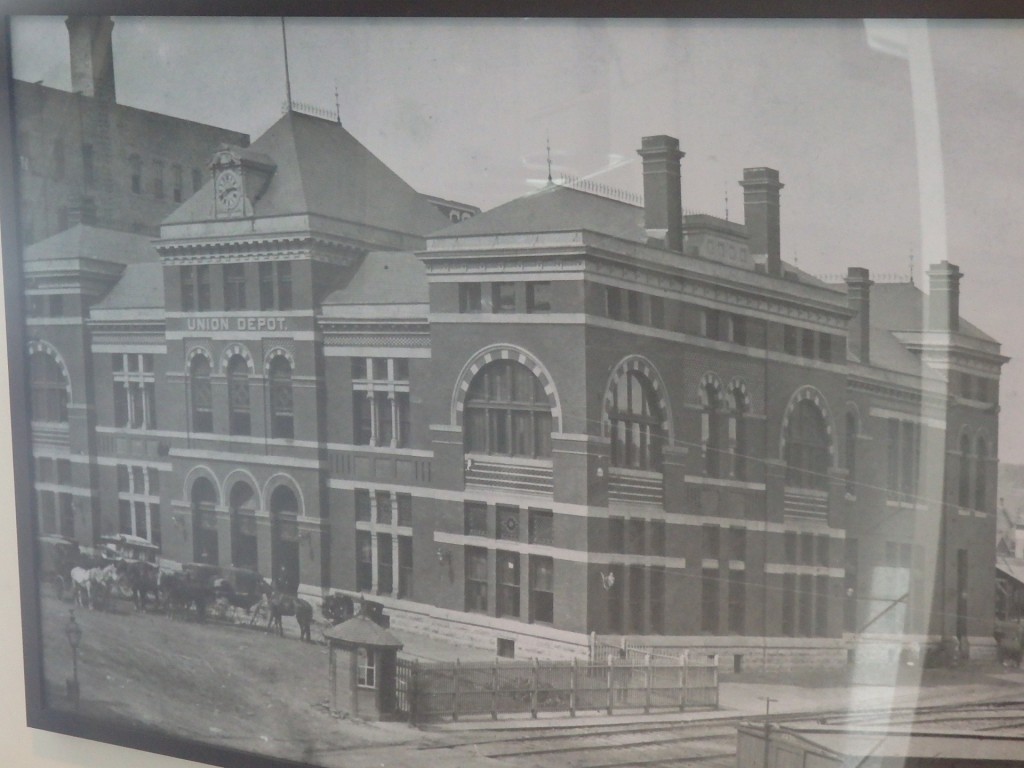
(74, 633)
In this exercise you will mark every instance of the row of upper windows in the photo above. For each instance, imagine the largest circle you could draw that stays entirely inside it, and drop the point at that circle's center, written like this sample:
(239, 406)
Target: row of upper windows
(279, 390)
(274, 279)
(505, 297)
(157, 180)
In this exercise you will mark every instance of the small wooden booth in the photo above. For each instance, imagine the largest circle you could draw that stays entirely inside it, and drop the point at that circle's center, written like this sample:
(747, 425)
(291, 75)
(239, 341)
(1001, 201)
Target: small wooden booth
(372, 652)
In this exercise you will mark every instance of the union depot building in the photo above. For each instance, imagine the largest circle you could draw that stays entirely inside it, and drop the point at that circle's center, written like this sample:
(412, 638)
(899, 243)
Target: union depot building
(567, 415)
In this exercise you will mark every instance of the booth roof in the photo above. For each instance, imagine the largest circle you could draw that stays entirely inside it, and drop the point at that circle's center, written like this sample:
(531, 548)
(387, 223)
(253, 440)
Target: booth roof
(362, 631)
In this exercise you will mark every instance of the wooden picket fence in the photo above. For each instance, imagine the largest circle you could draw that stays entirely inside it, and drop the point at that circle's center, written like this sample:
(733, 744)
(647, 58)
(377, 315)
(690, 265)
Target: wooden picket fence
(438, 690)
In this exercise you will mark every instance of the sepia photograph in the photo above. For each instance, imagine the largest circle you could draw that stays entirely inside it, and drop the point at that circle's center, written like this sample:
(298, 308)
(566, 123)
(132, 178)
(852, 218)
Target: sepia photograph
(508, 392)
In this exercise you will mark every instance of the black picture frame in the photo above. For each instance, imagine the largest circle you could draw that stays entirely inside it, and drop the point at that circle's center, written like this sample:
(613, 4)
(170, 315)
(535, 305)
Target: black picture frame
(82, 725)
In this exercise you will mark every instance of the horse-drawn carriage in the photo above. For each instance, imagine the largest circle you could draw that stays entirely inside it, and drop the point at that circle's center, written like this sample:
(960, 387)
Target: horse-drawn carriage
(57, 556)
(137, 562)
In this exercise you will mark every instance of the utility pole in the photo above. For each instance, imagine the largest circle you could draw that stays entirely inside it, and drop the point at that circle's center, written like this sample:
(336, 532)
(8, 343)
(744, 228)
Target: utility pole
(767, 727)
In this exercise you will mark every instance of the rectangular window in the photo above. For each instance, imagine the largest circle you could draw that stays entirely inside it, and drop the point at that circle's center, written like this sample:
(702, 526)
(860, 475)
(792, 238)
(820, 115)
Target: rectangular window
(380, 402)
(807, 548)
(158, 179)
(188, 289)
(712, 324)
(384, 515)
(470, 297)
(739, 329)
(789, 339)
(275, 285)
(542, 589)
(134, 391)
(362, 505)
(476, 580)
(823, 550)
(709, 601)
(616, 535)
(712, 543)
(635, 307)
(366, 668)
(737, 601)
(538, 297)
(657, 601)
(177, 182)
(475, 513)
(503, 297)
(821, 606)
(364, 561)
(656, 537)
(789, 604)
(806, 605)
(790, 546)
(541, 526)
(88, 165)
(507, 579)
(825, 347)
(385, 579)
(404, 503)
(405, 580)
(635, 544)
(195, 287)
(613, 302)
(807, 343)
(657, 312)
(738, 544)
(234, 287)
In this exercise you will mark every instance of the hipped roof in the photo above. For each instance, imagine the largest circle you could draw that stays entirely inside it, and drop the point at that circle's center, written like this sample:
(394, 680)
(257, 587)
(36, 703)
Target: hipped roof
(362, 631)
(322, 170)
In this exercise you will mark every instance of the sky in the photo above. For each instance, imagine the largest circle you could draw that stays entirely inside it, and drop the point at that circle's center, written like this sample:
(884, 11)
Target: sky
(465, 109)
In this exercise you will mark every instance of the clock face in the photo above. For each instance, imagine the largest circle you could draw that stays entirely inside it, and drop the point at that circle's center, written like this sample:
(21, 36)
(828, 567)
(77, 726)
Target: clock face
(228, 189)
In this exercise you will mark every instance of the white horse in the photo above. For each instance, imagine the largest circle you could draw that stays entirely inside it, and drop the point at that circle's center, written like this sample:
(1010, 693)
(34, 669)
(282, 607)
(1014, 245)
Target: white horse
(93, 583)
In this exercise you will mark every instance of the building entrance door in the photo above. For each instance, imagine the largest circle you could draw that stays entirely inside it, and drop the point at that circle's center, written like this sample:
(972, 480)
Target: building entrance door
(284, 550)
(204, 522)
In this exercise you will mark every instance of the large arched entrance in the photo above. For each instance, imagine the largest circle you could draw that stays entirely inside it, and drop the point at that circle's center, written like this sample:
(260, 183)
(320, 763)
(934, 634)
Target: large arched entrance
(284, 546)
(244, 550)
(204, 521)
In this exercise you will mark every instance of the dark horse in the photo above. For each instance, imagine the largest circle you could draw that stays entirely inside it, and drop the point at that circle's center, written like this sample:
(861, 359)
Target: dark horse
(141, 579)
(183, 590)
(281, 604)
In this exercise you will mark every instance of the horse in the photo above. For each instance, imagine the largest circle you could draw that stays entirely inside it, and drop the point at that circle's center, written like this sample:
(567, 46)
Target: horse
(142, 579)
(94, 583)
(181, 591)
(281, 604)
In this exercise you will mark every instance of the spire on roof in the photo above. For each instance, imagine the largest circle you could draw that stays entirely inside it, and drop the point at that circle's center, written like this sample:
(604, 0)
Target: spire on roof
(287, 76)
(548, 142)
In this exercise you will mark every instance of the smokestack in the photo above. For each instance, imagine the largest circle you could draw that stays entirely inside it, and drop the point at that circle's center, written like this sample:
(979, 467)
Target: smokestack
(663, 197)
(92, 56)
(761, 214)
(944, 297)
(858, 296)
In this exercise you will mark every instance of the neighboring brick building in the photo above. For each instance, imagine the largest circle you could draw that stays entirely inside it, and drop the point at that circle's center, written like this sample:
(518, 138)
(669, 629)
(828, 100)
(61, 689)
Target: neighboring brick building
(85, 158)
(566, 415)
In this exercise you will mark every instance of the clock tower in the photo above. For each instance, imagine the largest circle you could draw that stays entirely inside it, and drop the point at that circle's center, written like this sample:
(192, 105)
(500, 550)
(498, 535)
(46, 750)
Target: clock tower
(240, 177)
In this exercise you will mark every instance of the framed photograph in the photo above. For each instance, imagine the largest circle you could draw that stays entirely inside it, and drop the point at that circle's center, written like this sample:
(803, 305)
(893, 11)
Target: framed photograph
(475, 391)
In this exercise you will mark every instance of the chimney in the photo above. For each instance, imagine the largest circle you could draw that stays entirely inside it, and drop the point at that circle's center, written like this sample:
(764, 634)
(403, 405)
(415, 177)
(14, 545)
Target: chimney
(663, 198)
(944, 297)
(858, 296)
(92, 56)
(761, 214)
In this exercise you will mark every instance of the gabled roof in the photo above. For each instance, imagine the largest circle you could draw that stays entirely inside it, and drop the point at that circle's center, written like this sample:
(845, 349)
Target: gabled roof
(85, 242)
(321, 169)
(384, 277)
(141, 286)
(361, 630)
(556, 208)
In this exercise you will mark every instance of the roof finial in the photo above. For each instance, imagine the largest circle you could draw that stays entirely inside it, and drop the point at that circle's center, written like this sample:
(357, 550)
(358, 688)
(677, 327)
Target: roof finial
(726, 201)
(287, 77)
(337, 103)
(547, 140)
(911, 267)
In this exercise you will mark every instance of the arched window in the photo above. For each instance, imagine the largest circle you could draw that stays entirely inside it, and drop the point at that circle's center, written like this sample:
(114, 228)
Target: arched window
(964, 489)
(201, 394)
(851, 452)
(636, 423)
(284, 546)
(807, 447)
(711, 428)
(204, 521)
(282, 421)
(738, 436)
(49, 386)
(507, 412)
(244, 550)
(980, 466)
(240, 422)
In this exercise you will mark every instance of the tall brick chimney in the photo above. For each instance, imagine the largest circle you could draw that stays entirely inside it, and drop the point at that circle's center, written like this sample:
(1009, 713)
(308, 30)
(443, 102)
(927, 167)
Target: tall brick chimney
(663, 197)
(92, 56)
(761, 213)
(858, 297)
(944, 297)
